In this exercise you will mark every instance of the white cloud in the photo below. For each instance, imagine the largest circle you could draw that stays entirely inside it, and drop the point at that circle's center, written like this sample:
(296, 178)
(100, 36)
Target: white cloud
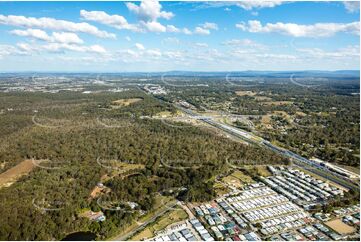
(62, 37)
(139, 46)
(128, 38)
(34, 33)
(26, 48)
(342, 53)
(115, 21)
(247, 5)
(9, 50)
(186, 31)
(171, 40)
(153, 53)
(204, 29)
(149, 11)
(174, 55)
(54, 24)
(242, 26)
(208, 25)
(154, 26)
(244, 43)
(204, 45)
(297, 30)
(172, 29)
(352, 6)
(201, 31)
(56, 47)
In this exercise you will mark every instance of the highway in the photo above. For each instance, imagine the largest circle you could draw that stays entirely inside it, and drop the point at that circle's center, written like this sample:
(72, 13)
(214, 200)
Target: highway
(256, 140)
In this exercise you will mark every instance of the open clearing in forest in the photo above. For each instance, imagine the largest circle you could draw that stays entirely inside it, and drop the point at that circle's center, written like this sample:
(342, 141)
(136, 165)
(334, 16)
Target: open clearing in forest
(125, 102)
(277, 103)
(11, 175)
(237, 179)
(245, 93)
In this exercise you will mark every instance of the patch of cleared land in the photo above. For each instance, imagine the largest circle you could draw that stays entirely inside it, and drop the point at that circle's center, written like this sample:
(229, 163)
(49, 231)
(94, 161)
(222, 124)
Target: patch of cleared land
(118, 167)
(262, 98)
(263, 171)
(278, 103)
(245, 93)
(302, 114)
(10, 176)
(266, 121)
(167, 114)
(340, 227)
(220, 189)
(99, 190)
(125, 102)
(237, 179)
(161, 223)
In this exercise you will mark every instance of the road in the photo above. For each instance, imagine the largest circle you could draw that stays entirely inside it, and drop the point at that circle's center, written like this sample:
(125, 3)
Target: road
(253, 139)
(161, 212)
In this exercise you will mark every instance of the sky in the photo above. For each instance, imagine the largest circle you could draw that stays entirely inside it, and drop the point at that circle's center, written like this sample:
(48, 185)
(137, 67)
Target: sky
(149, 36)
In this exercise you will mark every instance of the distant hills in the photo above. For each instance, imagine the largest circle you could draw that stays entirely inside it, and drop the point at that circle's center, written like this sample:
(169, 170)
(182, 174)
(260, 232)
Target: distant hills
(274, 74)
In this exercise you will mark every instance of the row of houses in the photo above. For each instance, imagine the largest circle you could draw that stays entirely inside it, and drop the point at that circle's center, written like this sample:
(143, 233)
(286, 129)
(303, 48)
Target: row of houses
(201, 230)
(178, 232)
(299, 187)
(281, 224)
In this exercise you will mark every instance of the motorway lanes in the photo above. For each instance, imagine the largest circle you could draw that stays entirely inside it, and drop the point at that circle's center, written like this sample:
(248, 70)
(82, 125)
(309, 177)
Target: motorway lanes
(297, 159)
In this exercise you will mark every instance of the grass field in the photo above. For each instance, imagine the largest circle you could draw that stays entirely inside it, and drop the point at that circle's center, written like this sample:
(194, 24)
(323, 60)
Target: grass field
(10, 176)
(237, 179)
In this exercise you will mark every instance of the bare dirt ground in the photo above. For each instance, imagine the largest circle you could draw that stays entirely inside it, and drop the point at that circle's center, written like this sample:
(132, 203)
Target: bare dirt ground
(340, 227)
(10, 176)
(245, 93)
(125, 102)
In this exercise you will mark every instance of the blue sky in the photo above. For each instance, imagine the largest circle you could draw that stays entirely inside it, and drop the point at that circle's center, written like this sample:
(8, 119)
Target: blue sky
(163, 36)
